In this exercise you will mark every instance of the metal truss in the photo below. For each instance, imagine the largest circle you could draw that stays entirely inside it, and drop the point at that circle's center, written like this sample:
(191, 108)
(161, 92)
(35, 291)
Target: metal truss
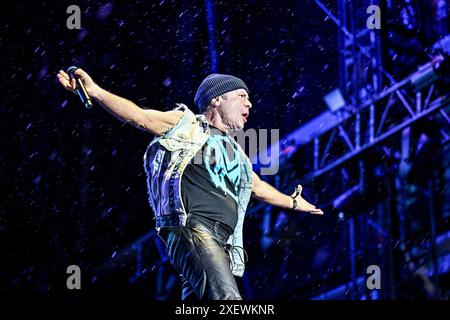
(360, 67)
(332, 140)
(374, 115)
(142, 255)
(335, 139)
(379, 118)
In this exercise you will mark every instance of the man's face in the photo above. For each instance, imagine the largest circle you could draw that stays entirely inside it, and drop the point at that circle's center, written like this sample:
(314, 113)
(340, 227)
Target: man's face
(234, 108)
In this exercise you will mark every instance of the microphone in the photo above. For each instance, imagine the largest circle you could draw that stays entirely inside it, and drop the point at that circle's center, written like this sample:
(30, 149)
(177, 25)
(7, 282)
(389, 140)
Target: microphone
(81, 90)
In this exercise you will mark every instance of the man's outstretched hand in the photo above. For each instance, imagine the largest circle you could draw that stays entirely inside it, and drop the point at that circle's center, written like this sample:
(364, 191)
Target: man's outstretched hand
(69, 84)
(303, 205)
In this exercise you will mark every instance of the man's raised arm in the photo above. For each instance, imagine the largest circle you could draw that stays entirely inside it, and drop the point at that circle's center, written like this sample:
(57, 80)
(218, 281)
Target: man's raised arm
(153, 121)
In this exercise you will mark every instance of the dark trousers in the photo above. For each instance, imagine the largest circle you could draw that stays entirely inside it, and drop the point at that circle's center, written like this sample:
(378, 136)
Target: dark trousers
(199, 253)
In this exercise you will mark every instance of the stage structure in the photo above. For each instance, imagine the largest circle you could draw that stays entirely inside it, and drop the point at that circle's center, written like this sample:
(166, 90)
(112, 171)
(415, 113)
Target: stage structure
(369, 160)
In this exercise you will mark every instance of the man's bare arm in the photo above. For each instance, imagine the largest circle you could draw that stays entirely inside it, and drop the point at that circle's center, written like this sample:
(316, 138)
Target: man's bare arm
(153, 121)
(265, 192)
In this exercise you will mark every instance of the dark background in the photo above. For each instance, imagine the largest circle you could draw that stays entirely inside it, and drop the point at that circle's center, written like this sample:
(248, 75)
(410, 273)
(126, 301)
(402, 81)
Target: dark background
(72, 180)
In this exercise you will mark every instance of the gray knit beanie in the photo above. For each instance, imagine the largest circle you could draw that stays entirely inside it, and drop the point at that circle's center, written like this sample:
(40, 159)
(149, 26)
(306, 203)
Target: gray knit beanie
(215, 85)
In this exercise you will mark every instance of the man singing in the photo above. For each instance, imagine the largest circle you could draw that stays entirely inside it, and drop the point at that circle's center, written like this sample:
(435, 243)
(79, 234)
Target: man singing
(199, 180)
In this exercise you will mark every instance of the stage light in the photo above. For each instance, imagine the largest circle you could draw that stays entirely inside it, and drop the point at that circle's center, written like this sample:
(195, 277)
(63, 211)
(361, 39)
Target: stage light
(334, 100)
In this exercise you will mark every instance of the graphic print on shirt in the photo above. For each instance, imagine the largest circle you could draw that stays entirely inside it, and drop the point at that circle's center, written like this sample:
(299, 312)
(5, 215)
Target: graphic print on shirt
(221, 166)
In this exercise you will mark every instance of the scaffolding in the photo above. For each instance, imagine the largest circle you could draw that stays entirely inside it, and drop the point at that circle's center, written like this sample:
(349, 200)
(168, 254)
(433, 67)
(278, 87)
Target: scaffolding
(380, 117)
